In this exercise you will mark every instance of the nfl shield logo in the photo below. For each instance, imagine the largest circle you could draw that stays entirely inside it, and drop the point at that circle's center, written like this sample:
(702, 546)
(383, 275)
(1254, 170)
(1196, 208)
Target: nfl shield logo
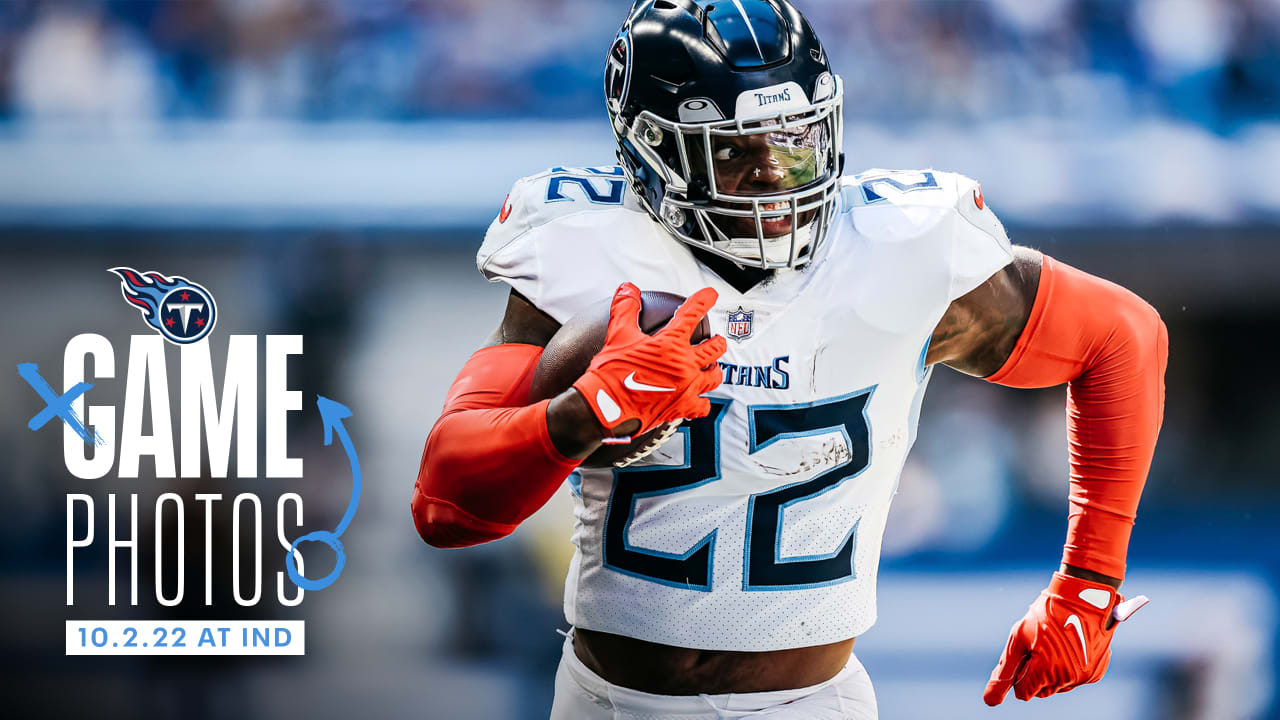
(740, 324)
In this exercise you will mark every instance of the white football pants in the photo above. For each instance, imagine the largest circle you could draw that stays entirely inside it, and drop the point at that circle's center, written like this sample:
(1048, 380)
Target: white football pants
(583, 695)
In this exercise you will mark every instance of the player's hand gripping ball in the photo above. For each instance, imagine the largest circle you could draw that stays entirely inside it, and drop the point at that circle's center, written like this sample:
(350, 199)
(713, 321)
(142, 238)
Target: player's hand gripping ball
(642, 372)
(1063, 641)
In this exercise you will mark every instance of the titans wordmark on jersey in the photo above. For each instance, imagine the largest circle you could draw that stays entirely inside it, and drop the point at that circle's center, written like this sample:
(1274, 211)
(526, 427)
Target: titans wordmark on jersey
(757, 527)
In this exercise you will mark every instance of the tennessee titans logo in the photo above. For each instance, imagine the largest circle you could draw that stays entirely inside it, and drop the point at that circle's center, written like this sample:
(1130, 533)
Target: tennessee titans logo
(180, 310)
(740, 323)
(617, 73)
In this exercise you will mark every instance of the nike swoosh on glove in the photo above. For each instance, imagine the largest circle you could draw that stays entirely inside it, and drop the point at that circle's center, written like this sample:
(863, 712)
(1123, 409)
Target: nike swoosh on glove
(653, 378)
(1063, 641)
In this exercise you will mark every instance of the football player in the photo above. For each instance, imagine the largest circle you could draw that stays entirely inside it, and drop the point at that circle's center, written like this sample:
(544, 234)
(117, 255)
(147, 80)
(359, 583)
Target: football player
(729, 572)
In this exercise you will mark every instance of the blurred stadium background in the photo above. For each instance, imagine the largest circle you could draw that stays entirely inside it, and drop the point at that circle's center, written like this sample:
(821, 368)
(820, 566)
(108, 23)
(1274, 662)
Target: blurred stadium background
(328, 167)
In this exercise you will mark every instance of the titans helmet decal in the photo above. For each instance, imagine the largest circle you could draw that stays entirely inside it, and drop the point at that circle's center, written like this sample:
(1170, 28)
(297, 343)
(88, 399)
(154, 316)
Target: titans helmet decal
(180, 310)
(617, 74)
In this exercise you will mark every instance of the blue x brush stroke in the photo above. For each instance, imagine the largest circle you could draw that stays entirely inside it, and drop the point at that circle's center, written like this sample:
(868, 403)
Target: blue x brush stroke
(56, 405)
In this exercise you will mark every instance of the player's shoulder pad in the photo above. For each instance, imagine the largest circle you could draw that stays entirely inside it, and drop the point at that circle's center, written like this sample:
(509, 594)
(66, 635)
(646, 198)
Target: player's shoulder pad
(568, 236)
(538, 201)
(903, 204)
(933, 224)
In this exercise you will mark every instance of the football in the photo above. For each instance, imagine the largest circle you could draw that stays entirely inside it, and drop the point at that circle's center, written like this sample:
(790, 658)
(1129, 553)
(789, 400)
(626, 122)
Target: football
(569, 353)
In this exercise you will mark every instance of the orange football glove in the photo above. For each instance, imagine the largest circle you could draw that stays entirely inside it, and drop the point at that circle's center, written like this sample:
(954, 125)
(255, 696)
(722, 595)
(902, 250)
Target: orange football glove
(653, 378)
(1063, 641)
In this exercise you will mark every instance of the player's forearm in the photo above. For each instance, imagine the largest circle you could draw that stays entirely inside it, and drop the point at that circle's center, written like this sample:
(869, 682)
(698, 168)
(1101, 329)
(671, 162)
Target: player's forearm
(1111, 349)
(1114, 411)
(573, 427)
(490, 462)
(483, 472)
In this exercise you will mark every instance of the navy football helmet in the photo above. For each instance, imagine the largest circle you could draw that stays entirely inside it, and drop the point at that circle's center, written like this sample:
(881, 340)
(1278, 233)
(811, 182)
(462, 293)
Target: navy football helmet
(729, 125)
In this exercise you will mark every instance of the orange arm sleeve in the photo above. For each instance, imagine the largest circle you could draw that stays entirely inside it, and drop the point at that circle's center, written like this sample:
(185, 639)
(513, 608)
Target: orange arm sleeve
(1111, 348)
(489, 462)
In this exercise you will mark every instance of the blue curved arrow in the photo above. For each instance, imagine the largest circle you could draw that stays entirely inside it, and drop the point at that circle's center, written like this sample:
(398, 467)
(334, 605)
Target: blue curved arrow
(331, 414)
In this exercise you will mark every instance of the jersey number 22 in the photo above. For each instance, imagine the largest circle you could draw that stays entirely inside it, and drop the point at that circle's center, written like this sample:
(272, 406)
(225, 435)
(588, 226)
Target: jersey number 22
(764, 568)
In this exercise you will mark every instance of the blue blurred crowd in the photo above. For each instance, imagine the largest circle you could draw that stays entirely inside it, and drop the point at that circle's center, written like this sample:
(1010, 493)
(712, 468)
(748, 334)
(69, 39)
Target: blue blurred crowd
(1214, 63)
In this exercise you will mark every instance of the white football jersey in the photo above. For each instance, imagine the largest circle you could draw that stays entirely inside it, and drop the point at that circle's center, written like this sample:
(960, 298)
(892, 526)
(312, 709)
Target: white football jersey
(758, 527)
